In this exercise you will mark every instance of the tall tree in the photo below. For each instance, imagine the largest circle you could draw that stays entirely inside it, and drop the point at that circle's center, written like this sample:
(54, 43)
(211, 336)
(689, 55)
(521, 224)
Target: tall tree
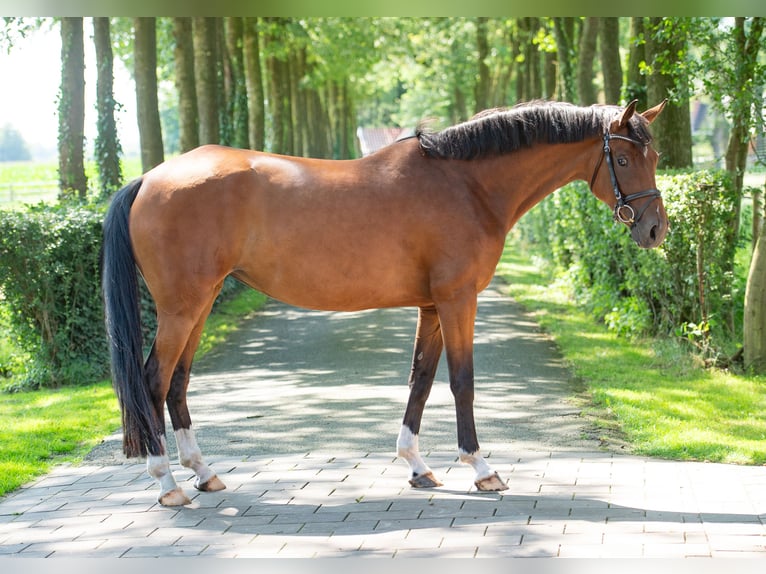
(564, 32)
(254, 81)
(71, 139)
(609, 42)
(666, 52)
(147, 105)
(107, 145)
(749, 77)
(746, 49)
(276, 44)
(206, 75)
(481, 89)
(636, 82)
(237, 105)
(183, 54)
(586, 90)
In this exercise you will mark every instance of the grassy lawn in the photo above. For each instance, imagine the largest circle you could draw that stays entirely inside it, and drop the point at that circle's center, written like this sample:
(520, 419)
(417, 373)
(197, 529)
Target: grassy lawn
(33, 182)
(39, 429)
(650, 395)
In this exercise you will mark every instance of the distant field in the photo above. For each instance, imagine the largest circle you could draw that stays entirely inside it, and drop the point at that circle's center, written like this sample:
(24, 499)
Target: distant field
(31, 182)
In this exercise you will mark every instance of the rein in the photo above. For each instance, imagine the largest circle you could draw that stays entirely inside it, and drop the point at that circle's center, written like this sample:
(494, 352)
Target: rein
(623, 211)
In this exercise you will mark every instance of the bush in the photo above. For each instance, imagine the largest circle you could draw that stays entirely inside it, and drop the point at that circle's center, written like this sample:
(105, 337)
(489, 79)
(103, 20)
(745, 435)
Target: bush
(50, 296)
(49, 269)
(685, 286)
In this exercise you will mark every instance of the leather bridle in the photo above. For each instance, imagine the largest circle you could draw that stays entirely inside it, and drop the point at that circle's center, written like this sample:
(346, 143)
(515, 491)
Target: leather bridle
(623, 211)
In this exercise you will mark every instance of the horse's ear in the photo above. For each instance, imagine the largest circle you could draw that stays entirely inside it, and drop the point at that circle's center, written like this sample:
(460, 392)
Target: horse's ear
(651, 114)
(627, 113)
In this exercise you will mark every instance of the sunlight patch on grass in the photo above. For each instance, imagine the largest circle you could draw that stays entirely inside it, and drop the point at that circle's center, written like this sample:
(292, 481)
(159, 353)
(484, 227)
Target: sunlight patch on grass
(650, 393)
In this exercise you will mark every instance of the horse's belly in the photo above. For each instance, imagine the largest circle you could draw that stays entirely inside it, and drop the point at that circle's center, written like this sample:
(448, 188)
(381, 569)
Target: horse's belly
(344, 288)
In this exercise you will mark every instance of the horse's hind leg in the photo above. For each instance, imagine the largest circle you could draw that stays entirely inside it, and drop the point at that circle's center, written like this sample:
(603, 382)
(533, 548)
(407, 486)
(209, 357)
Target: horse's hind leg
(167, 374)
(189, 453)
(428, 348)
(172, 335)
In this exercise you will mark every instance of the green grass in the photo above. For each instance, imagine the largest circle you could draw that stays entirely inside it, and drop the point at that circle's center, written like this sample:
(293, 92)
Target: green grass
(38, 181)
(650, 396)
(39, 429)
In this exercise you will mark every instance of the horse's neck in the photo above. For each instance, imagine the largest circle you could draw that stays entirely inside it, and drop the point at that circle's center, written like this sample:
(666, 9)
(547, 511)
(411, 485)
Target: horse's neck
(515, 182)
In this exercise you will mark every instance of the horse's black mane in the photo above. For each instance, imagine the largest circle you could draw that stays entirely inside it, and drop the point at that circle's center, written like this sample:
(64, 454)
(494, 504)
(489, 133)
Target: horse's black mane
(503, 130)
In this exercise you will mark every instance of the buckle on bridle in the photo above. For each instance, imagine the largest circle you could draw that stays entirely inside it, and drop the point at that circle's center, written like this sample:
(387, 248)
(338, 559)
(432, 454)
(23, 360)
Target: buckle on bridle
(624, 214)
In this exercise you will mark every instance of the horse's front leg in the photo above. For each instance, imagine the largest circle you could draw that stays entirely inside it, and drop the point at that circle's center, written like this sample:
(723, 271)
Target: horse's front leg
(457, 319)
(425, 359)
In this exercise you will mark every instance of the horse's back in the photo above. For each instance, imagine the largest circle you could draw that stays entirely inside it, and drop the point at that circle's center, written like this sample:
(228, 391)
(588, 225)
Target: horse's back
(327, 234)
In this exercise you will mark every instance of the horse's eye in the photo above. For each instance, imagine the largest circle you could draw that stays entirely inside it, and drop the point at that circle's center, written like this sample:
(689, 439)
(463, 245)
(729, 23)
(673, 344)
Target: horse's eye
(622, 161)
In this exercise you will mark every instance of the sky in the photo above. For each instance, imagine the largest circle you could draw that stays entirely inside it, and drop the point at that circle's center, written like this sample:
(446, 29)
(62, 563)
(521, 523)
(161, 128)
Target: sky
(31, 75)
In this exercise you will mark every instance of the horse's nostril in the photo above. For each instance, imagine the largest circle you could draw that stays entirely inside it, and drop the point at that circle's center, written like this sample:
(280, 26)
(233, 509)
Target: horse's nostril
(653, 232)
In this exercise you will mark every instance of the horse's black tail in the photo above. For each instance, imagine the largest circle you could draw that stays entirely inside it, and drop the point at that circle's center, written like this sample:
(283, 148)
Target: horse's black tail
(119, 281)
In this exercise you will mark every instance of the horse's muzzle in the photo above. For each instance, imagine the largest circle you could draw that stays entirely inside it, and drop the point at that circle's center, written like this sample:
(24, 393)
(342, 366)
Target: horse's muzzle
(649, 231)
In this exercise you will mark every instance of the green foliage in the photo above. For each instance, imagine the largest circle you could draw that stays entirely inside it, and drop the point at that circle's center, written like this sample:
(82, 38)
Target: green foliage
(687, 281)
(649, 393)
(50, 297)
(49, 269)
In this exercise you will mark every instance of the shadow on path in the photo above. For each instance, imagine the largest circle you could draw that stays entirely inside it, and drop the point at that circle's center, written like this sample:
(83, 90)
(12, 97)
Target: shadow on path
(293, 380)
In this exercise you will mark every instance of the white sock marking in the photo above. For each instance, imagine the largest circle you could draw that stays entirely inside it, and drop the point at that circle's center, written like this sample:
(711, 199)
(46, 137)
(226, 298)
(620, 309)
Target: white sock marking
(158, 467)
(480, 466)
(407, 448)
(190, 455)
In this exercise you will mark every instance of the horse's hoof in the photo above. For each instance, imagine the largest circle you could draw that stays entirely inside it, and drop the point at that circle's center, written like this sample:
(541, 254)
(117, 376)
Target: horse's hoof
(492, 483)
(427, 480)
(213, 484)
(175, 497)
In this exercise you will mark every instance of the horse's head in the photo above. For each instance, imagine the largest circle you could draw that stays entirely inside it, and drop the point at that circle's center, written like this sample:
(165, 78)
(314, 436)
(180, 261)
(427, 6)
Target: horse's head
(626, 181)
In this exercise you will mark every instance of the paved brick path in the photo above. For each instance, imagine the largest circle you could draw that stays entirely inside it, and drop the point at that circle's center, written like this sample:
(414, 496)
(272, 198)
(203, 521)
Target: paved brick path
(308, 460)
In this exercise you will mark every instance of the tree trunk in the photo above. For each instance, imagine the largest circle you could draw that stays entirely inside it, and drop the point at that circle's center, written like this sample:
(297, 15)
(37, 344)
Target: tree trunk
(107, 145)
(586, 91)
(754, 328)
(71, 139)
(225, 86)
(550, 88)
(636, 88)
(673, 133)
(533, 67)
(754, 331)
(747, 50)
(481, 89)
(206, 78)
(147, 106)
(184, 78)
(253, 77)
(502, 72)
(609, 40)
(564, 32)
(278, 69)
(234, 47)
(295, 102)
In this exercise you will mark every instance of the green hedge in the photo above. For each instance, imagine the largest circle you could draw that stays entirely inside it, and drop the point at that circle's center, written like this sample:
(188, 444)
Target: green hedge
(685, 286)
(50, 294)
(49, 269)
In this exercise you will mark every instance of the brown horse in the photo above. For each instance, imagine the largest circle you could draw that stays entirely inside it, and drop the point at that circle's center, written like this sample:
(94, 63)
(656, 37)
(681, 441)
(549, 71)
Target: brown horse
(420, 223)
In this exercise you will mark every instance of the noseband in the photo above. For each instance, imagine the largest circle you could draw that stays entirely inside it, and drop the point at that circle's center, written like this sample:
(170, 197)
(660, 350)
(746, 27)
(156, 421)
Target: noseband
(623, 211)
